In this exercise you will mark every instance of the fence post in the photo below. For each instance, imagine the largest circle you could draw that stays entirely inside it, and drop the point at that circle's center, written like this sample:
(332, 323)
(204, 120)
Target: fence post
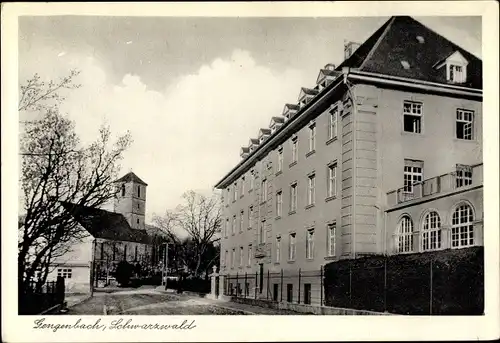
(246, 288)
(430, 293)
(321, 284)
(268, 289)
(255, 288)
(385, 283)
(299, 287)
(237, 285)
(350, 284)
(281, 288)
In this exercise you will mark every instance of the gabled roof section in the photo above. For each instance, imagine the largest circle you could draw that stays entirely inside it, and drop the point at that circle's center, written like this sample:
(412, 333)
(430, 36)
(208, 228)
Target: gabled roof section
(288, 107)
(264, 132)
(402, 38)
(244, 150)
(106, 225)
(454, 57)
(307, 92)
(326, 73)
(276, 120)
(253, 141)
(131, 177)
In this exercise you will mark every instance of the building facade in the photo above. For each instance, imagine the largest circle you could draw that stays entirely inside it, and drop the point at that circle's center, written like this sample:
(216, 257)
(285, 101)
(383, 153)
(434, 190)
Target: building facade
(347, 168)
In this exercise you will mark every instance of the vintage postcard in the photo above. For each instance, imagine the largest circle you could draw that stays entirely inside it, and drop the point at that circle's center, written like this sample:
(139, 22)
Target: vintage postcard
(250, 171)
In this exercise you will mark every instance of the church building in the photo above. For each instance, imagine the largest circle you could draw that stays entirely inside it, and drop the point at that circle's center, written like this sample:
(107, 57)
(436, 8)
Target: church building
(121, 235)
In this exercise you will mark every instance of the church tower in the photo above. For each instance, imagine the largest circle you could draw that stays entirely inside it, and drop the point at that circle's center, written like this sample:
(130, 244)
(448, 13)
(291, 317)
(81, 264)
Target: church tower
(130, 200)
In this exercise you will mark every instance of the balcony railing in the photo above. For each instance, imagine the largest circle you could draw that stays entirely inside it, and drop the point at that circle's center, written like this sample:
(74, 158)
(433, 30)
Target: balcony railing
(439, 184)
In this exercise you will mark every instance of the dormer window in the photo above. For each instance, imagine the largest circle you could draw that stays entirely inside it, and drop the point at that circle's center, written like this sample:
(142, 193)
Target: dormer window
(456, 73)
(123, 190)
(456, 68)
(306, 95)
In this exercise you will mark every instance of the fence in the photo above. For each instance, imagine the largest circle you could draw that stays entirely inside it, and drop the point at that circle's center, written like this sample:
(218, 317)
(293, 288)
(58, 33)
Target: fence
(300, 287)
(37, 299)
(443, 283)
(446, 282)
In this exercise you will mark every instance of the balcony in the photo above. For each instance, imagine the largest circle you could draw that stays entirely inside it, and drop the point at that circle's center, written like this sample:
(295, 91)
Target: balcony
(446, 183)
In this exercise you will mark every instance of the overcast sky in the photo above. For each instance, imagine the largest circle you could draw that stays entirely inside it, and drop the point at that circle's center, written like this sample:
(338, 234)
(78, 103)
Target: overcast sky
(192, 91)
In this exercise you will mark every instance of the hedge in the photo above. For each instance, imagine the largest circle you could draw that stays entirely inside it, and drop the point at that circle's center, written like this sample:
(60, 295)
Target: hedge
(402, 283)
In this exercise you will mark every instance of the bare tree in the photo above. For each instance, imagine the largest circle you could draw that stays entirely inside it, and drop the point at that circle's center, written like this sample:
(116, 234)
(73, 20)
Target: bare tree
(56, 169)
(200, 217)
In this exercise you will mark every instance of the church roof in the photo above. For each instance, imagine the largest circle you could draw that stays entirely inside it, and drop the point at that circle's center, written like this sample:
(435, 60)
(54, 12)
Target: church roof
(402, 38)
(106, 225)
(131, 177)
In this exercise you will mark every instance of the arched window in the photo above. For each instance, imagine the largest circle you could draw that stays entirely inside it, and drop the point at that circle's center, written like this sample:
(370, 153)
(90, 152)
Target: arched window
(123, 189)
(462, 229)
(405, 235)
(431, 232)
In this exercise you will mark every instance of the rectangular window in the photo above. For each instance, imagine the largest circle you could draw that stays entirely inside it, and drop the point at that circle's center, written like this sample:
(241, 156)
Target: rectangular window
(138, 191)
(332, 124)
(241, 256)
(262, 232)
(228, 196)
(242, 214)
(226, 254)
(280, 158)
(412, 116)
(243, 185)
(294, 144)
(233, 256)
(456, 73)
(233, 226)
(312, 137)
(332, 180)
(331, 239)
(465, 124)
(65, 272)
(226, 228)
(102, 251)
(235, 191)
(250, 216)
(250, 251)
(307, 293)
(263, 190)
(413, 172)
(311, 189)
(291, 247)
(289, 292)
(293, 197)
(278, 250)
(279, 203)
(310, 244)
(252, 180)
(463, 176)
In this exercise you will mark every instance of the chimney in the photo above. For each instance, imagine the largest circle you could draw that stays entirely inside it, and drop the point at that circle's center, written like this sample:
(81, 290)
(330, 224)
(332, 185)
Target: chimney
(350, 48)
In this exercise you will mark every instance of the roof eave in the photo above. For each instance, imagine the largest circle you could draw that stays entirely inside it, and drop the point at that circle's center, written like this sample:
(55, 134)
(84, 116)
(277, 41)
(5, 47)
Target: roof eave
(279, 134)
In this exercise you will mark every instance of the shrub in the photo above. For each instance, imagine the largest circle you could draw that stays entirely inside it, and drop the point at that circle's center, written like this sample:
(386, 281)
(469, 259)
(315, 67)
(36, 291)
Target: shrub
(402, 283)
(124, 272)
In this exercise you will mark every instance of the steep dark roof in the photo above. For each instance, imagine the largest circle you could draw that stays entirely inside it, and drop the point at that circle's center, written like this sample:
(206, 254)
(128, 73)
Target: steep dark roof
(107, 225)
(131, 177)
(396, 41)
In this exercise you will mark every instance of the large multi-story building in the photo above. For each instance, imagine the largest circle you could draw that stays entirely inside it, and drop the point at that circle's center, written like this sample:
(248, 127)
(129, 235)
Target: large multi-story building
(383, 155)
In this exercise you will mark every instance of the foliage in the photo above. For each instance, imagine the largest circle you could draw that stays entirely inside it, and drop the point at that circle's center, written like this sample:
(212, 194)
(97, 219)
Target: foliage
(57, 168)
(199, 217)
(124, 272)
(402, 283)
